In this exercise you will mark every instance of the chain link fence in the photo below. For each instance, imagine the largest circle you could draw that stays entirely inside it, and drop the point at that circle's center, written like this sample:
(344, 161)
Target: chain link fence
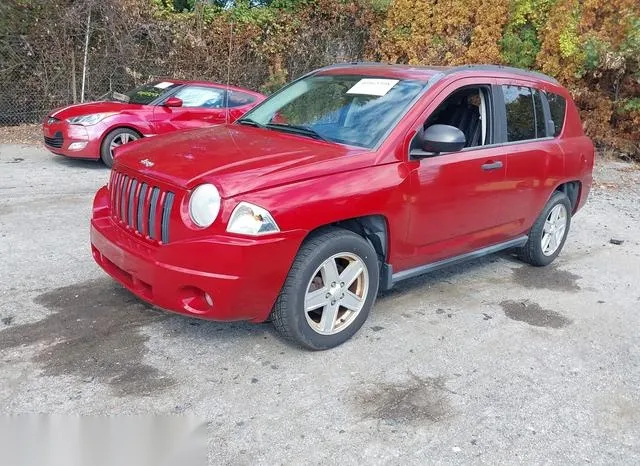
(60, 52)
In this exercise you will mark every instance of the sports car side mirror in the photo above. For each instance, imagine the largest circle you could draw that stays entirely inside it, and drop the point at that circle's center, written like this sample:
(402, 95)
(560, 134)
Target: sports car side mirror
(173, 102)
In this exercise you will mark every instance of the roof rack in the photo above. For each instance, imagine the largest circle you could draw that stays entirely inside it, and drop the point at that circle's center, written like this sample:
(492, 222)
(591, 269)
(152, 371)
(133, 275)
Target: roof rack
(508, 69)
(377, 63)
(443, 70)
(354, 63)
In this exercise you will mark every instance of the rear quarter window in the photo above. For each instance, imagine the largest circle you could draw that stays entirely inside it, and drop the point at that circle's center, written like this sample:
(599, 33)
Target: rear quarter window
(239, 99)
(521, 118)
(557, 107)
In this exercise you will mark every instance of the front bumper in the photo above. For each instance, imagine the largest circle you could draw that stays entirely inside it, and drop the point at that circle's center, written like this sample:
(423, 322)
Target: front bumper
(241, 276)
(59, 137)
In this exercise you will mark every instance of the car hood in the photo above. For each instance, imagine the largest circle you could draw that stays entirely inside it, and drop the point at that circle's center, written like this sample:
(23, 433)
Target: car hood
(236, 158)
(92, 107)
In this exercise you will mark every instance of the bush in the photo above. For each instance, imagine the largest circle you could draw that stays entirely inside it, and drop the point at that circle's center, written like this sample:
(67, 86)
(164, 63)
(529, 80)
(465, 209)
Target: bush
(591, 46)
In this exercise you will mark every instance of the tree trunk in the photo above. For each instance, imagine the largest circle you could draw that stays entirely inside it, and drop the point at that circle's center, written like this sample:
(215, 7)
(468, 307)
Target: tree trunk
(86, 51)
(74, 87)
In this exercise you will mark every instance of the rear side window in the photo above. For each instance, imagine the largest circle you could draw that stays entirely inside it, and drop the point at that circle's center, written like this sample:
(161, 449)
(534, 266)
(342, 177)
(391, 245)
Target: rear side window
(521, 120)
(200, 96)
(557, 106)
(238, 99)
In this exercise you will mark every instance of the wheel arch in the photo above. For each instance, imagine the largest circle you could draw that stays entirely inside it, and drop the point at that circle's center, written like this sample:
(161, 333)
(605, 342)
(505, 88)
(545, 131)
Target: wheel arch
(106, 135)
(115, 127)
(373, 228)
(573, 191)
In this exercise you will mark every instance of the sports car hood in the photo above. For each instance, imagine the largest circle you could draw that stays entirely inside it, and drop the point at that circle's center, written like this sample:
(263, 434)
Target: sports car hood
(92, 107)
(236, 158)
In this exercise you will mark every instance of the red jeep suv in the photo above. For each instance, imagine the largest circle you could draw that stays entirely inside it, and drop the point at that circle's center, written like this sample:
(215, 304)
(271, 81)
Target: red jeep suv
(341, 184)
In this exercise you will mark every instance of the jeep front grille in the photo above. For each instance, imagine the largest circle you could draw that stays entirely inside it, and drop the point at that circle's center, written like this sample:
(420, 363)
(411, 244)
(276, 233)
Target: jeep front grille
(141, 206)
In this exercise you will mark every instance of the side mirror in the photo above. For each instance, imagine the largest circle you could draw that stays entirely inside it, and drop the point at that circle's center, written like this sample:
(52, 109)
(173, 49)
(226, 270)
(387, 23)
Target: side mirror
(439, 138)
(173, 102)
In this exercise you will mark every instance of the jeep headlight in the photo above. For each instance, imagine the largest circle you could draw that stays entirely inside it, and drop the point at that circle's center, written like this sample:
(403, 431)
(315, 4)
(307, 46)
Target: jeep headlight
(204, 205)
(91, 119)
(249, 219)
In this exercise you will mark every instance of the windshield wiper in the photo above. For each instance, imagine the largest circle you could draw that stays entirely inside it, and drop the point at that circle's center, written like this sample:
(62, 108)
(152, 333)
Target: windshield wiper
(250, 122)
(302, 130)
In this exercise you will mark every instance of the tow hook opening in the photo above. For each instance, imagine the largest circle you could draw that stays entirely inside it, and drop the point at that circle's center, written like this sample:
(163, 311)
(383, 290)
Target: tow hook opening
(196, 301)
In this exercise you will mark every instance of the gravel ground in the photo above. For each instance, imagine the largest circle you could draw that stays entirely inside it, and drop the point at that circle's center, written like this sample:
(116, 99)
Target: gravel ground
(489, 362)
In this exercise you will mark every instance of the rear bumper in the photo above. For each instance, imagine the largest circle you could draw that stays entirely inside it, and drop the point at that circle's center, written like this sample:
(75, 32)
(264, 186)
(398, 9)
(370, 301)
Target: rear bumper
(241, 276)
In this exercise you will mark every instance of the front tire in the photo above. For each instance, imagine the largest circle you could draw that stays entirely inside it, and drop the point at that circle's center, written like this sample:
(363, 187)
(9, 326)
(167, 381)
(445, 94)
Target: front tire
(115, 138)
(329, 291)
(549, 232)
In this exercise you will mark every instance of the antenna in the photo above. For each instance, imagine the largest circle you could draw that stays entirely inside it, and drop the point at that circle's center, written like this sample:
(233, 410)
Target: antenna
(226, 93)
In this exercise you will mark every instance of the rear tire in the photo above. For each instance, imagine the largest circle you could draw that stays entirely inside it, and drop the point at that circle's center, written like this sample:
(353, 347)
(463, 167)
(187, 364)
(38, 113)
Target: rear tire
(329, 291)
(115, 138)
(549, 232)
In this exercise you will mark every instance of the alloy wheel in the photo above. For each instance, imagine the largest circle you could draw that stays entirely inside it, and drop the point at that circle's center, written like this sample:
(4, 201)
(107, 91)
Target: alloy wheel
(120, 139)
(554, 229)
(336, 293)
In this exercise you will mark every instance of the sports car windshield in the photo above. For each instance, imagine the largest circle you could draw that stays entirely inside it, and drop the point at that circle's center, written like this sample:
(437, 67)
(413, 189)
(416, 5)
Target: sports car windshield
(349, 109)
(146, 93)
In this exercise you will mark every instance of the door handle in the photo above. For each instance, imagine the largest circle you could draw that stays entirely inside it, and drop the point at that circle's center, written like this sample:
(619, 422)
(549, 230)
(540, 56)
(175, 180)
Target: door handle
(492, 165)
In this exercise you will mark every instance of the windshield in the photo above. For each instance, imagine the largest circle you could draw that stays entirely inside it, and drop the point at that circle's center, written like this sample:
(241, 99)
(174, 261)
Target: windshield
(351, 109)
(146, 93)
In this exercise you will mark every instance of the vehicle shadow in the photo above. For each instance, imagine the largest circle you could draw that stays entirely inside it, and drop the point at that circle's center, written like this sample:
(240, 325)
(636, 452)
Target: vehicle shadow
(445, 275)
(213, 332)
(221, 332)
(109, 305)
(88, 164)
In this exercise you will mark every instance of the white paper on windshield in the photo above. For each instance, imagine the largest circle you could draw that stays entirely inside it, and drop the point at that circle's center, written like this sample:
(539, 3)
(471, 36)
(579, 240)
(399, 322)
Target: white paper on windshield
(373, 86)
(163, 85)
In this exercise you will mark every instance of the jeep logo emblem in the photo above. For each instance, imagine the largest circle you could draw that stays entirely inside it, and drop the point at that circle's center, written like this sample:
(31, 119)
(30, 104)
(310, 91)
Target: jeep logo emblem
(147, 163)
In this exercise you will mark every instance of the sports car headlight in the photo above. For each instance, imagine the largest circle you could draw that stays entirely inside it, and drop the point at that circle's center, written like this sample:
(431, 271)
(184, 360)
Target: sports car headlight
(249, 219)
(88, 120)
(204, 205)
